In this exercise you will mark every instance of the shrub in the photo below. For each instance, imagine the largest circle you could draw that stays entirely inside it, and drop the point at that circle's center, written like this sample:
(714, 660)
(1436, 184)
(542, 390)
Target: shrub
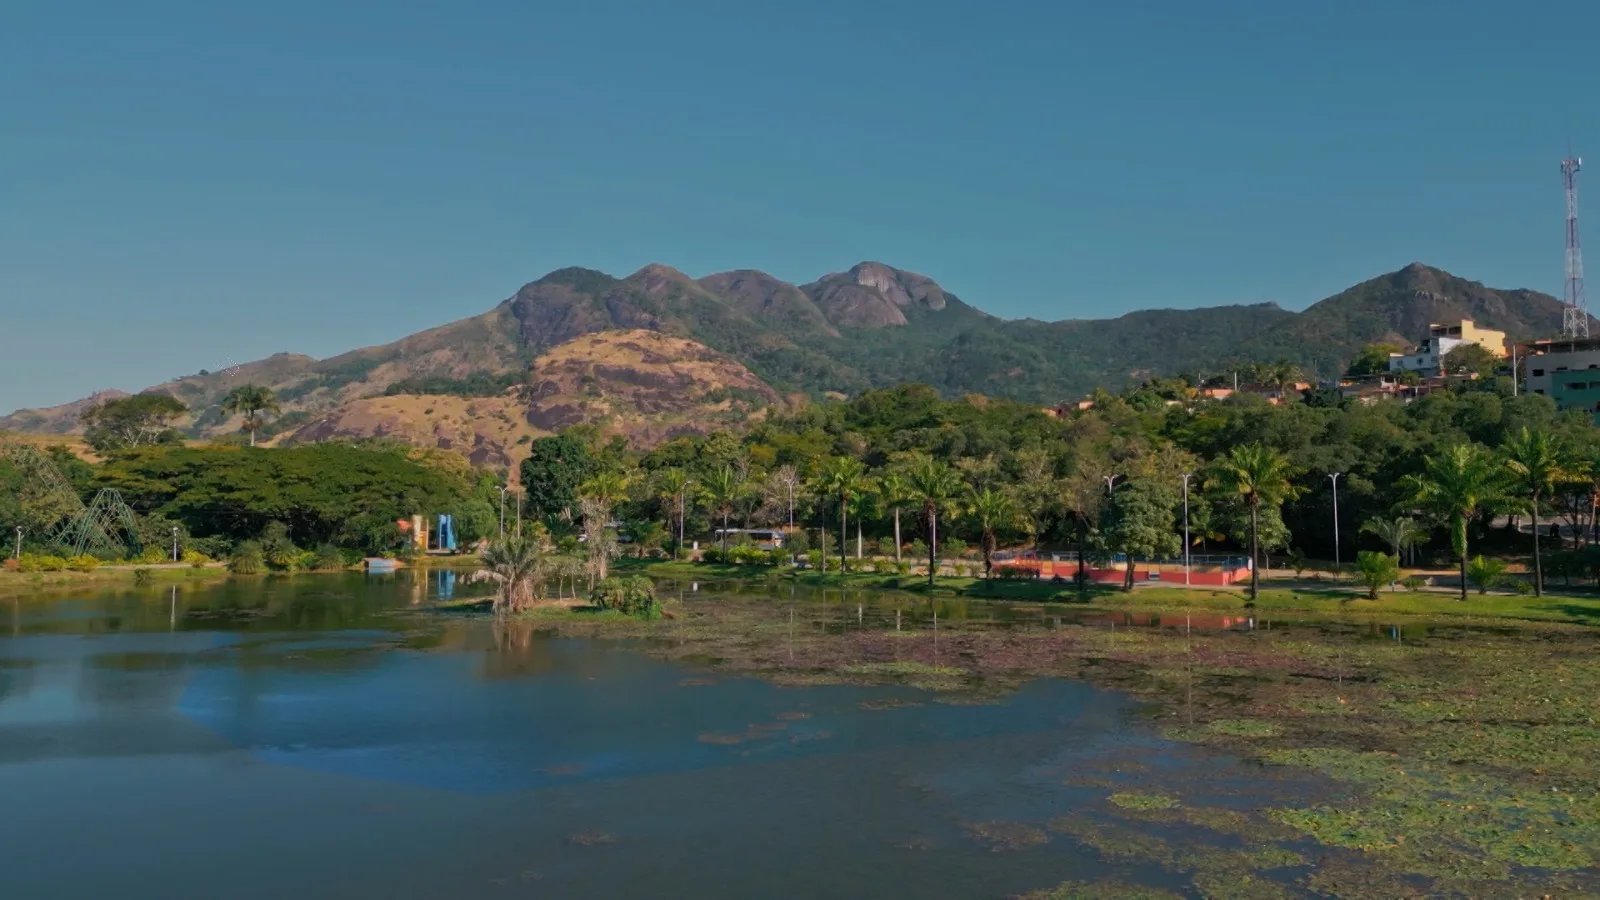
(83, 563)
(247, 559)
(1376, 570)
(953, 546)
(798, 541)
(327, 558)
(634, 596)
(12, 564)
(195, 558)
(1412, 582)
(903, 567)
(1485, 573)
(141, 576)
(919, 550)
(152, 555)
(36, 562)
(779, 557)
(711, 555)
(1521, 587)
(814, 559)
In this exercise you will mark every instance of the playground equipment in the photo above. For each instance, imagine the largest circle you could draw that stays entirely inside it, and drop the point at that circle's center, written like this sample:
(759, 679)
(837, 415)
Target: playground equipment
(106, 527)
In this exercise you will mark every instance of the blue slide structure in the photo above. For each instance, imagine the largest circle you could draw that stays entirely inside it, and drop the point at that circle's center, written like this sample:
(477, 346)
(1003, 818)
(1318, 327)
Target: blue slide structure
(447, 532)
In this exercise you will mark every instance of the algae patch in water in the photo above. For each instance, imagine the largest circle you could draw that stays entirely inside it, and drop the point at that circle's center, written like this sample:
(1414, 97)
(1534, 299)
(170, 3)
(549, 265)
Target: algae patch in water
(1143, 801)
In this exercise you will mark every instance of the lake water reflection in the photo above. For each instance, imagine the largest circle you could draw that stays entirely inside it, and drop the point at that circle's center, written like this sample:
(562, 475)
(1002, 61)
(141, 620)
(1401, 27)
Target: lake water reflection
(325, 737)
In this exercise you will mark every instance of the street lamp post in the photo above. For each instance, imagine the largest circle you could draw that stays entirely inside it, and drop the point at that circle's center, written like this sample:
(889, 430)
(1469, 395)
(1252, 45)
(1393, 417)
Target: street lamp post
(1334, 477)
(502, 510)
(174, 543)
(1186, 477)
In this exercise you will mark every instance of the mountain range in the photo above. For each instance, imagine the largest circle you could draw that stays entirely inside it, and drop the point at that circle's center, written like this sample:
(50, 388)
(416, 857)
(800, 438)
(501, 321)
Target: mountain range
(658, 353)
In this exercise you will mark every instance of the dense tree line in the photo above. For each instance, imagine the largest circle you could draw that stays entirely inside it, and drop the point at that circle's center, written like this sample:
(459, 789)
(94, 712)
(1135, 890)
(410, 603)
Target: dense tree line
(1456, 469)
(342, 495)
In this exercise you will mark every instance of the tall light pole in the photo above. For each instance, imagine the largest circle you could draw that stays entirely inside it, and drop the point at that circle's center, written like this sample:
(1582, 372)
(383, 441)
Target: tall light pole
(174, 543)
(1334, 477)
(1186, 477)
(502, 510)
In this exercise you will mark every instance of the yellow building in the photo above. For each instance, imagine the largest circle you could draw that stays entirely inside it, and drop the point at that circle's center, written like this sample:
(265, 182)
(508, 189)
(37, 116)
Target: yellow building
(1467, 332)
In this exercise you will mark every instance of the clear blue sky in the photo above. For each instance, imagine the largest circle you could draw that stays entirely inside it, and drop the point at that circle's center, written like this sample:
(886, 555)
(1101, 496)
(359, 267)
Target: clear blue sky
(188, 183)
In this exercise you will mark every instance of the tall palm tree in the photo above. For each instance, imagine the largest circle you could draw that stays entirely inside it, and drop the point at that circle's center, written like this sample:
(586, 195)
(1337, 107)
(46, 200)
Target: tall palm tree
(1400, 533)
(843, 477)
(517, 564)
(1535, 461)
(933, 485)
(722, 490)
(894, 492)
(994, 510)
(255, 402)
(1458, 484)
(1260, 475)
(673, 486)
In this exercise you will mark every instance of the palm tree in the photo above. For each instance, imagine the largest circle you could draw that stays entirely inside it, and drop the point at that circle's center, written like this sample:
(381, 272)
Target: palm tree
(255, 402)
(1535, 461)
(1458, 484)
(1400, 533)
(722, 491)
(933, 484)
(993, 510)
(894, 493)
(673, 486)
(518, 564)
(843, 477)
(1260, 475)
(606, 488)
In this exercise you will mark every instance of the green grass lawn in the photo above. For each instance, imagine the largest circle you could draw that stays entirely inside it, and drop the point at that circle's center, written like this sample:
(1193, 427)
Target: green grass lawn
(1330, 600)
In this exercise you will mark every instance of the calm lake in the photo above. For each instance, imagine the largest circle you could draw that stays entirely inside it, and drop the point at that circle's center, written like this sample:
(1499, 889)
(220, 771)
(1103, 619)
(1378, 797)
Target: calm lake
(329, 736)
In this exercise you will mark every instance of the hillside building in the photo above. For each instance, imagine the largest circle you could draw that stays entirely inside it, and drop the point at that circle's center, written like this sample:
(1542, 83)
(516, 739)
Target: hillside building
(1441, 340)
(1566, 371)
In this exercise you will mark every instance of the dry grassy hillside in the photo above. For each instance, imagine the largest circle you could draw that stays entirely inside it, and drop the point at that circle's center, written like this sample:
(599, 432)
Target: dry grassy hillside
(643, 385)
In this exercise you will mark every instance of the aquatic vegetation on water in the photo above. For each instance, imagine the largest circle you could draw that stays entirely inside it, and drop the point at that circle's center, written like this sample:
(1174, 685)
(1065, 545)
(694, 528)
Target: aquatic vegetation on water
(1099, 890)
(1143, 801)
(1002, 836)
(1463, 755)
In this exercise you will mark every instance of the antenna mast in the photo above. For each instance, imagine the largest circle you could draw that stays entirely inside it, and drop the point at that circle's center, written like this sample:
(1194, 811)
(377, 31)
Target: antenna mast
(1574, 316)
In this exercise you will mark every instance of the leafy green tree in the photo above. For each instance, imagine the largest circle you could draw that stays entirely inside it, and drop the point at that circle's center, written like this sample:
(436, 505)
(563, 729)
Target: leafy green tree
(1458, 484)
(1376, 570)
(1141, 522)
(551, 474)
(1372, 360)
(1259, 475)
(255, 402)
(994, 511)
(131, 421)
(1469, 359)
(933, 486)
(1535, 461)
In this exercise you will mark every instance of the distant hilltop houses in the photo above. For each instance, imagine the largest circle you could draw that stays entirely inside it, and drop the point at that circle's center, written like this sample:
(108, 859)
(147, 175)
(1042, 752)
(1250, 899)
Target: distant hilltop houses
(1565, 369)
